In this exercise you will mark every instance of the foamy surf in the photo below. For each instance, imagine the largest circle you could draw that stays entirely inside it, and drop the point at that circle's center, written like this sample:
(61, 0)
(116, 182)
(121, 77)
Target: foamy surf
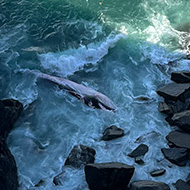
(67, 62)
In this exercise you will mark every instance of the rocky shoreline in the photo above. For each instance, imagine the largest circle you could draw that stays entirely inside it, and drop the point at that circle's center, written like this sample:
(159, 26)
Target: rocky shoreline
(10, 110)
(114, 175)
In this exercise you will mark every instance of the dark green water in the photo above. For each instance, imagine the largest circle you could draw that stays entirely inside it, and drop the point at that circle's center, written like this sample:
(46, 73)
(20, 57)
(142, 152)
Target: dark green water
(120, 48)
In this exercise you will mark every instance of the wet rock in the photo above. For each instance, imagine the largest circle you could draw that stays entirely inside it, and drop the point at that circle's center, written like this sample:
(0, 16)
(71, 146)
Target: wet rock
(58, 180)
(112, 132)
(139, 161)
(156, 173)
(182, 120)
(146, 185)
(164, 108)
(8, 169)
(188, 179)
(108, 176)
(10, 110)
(179, 139)
(173, 91)
(141, 150)
(181, 185)
(180, 76)
(80, 155)
(178, 156)
(40, 183)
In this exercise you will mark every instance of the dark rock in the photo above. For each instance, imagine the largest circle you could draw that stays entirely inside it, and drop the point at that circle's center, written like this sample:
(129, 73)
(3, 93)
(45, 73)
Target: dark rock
(177, 156)
(181, 185)
(139, 161)
(182, 120)
(173, 91)
(156, 173)
(180, 76)
(80, 155)
(40, 183)
(164, 108)
(149, 185)
(8, 169)
(10, 111)
(179, 139)
(58, 180)
(188, 179)
(141, 150)
(112, 132)
(108, 176)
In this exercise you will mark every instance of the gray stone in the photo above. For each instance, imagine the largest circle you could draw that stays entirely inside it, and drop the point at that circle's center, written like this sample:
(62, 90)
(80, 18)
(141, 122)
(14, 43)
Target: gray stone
(108, 176)
(182, 120)
(149, 185)
(177, 156)
(179, 139)
(180, 76)
(112, 132)
(141, 150)
(181, 185)
(173, 91)
(80, 155)
(156, 173)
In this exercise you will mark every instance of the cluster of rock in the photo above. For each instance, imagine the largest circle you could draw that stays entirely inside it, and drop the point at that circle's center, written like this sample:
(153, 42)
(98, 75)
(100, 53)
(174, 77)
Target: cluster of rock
(111, 175)
(9, 112)
(176, 106)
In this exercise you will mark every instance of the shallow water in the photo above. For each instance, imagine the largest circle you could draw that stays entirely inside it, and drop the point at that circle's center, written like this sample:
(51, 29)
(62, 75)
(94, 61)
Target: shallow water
(119, 48)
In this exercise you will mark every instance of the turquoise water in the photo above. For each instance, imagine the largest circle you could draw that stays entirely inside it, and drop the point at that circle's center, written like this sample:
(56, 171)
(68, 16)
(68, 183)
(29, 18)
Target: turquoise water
(120, 48)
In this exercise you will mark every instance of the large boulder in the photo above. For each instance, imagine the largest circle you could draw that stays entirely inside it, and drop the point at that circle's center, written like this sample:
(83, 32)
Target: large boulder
(182, 120)
(181, 185)
(180, 76)
(141, 150)
(108, 176)
(10, 110)
(178, 156)
(173, 91)
(80, 155)
(149, 185)
(179, 139)
(112, 132)
(8, 169)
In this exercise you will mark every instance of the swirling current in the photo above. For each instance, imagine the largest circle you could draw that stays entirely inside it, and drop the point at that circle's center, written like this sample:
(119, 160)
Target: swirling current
(119, 48)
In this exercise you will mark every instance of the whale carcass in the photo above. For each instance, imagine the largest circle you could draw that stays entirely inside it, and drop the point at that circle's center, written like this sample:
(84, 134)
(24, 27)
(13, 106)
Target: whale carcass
(89, 96)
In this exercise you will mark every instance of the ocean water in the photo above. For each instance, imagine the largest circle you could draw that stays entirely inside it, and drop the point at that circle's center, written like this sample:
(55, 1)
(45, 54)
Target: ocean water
(123, 49)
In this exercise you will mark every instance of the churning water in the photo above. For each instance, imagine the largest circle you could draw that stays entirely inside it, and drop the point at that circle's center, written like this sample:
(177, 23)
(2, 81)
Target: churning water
(124, 49)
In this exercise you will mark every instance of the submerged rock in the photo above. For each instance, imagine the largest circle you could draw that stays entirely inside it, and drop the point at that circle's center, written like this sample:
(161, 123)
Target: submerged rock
(178, 156)
(173, 91)
(146, 185)
(179, 139)
(108, 176)
(80, 155)
(58, 180)
(164, 108)
(180, 76)
(139, 161)
(182, 120)
(10, 110)
(181, 185)
(156, 173)
(112, 132)
(141, 150)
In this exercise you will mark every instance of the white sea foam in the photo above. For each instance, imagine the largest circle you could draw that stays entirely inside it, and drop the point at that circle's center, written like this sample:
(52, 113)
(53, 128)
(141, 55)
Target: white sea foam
(67, 62)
